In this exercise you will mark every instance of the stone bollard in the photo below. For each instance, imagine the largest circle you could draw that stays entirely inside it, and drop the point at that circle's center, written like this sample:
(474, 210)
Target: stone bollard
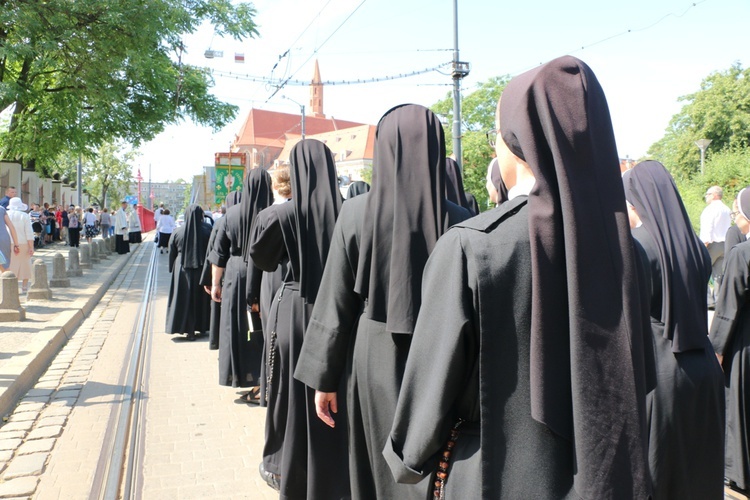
(85, 256)
(93, 254)
(101, 247)
(59, 276)
(111, 244)
(10, 305)
(74, 267)
(39, 288)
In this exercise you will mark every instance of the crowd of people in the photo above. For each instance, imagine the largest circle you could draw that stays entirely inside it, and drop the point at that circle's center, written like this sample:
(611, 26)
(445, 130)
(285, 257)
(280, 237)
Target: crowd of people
(405, 346)
(34, 227)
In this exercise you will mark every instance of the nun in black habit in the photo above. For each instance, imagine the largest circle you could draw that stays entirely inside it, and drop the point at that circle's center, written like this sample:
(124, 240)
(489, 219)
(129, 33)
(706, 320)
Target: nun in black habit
(530, 340)
(213, 334)
(454, 185)
(371, 292)
(239, 350)
(306, 458)
(730, 336)
(686, 409)
(188, 306)
(495, 185)
(734, 234)
(270, 281)
(357, 188)
(473, 205)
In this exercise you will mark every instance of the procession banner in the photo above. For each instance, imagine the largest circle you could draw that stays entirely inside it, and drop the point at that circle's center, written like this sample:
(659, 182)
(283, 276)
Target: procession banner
(228, 179)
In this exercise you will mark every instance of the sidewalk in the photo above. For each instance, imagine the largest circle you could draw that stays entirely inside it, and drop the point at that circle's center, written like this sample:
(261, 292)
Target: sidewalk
(27, 347)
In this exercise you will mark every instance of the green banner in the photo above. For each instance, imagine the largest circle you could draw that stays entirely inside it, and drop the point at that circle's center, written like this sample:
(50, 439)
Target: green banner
(228, 179)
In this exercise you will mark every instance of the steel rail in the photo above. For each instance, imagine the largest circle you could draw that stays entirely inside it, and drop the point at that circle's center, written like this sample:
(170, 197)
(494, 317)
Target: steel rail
(119, 464)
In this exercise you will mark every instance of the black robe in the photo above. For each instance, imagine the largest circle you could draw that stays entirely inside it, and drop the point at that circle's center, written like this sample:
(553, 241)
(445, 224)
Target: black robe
(213, 333)
(270, 284)
(239, 350)
(470, 360)
(733, 237)
(309, 456)
(342, 340)
(686, 409)
(188, 306)
(730, 336)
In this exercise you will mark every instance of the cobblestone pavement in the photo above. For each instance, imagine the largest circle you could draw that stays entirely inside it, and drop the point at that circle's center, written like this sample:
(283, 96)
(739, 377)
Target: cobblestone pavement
(46, 414)
(198, 442)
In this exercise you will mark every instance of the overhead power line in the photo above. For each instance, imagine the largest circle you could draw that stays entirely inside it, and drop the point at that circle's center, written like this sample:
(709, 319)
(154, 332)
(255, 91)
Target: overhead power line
(283, 83)
(280, 83)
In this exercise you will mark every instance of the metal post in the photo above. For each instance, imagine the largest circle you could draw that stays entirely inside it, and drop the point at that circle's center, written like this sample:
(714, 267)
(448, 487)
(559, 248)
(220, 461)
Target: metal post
(702, 145)
(150, 194)
(302, 107)
(456, 92)
(79, 181)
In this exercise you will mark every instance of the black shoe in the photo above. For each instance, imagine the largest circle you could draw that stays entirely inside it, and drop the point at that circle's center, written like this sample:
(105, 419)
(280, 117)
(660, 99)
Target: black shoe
(271, 479)
(191, 336)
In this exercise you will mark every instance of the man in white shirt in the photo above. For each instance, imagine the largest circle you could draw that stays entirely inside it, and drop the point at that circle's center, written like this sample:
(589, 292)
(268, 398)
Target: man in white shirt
(121, 229)
(715, 221)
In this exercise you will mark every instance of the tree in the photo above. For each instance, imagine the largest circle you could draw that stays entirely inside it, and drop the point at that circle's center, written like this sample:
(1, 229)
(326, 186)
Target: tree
(719, 111)
(477, 117)
(80, 74)
(107, 175)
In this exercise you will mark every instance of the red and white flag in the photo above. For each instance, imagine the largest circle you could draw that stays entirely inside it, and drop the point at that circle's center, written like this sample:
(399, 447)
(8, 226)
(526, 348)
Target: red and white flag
(239, 57)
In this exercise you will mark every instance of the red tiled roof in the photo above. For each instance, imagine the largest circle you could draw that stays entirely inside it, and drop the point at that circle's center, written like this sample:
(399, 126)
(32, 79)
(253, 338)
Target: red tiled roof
(268, 128)
(355, 142)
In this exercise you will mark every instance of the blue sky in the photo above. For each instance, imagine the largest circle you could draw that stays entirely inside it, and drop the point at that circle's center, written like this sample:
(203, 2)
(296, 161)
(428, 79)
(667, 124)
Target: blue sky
(671, 46)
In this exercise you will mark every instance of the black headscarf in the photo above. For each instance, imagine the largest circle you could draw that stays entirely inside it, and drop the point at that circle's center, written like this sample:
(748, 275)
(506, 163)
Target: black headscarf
(683, 258)
(743, 202)
(587, 367)
(317, 202)
(256, 195)
(233, 198)
(357, 188)
(497, 181)
(473, 205)
(454, 184)
(405, 215)
(193, 245)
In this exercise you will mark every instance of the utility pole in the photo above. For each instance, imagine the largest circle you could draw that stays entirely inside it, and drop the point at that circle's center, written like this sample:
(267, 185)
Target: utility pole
(460, 70)
(80, 180)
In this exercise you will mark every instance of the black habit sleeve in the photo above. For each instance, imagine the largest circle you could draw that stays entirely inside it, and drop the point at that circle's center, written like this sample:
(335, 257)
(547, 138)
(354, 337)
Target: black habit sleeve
(733, 294)
(267, 243)
(174, 247)
(254, 274)
(443, 354)
(221, 250)
(206, 273)
(337, 307)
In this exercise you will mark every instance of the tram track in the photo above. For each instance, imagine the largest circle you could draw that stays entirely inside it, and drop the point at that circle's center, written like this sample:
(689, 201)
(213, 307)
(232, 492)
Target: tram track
(119, 469)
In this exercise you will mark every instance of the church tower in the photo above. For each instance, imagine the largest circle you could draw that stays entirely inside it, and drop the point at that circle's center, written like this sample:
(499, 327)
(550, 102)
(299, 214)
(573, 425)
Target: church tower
(316, 93)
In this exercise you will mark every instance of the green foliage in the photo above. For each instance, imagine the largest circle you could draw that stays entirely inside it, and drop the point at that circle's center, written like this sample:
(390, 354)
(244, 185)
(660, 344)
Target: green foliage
(729, 169)
(719, 111)
(366, 174)
(80, 74)
(107, 175)
(477, 117)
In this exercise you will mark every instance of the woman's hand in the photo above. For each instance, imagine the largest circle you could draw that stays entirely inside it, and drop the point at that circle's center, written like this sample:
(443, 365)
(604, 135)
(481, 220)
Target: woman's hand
(325, 403)
(216, 293)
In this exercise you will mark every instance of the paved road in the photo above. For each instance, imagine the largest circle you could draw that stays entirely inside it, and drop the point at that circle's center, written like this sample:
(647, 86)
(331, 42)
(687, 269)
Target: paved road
(198, 442)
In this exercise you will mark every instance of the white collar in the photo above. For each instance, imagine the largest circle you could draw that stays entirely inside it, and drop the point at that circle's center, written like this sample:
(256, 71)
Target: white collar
(522, 188)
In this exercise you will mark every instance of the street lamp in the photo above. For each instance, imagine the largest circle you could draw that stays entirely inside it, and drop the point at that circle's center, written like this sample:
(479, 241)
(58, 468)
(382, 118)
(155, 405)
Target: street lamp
(702, 145)
(302, 111)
